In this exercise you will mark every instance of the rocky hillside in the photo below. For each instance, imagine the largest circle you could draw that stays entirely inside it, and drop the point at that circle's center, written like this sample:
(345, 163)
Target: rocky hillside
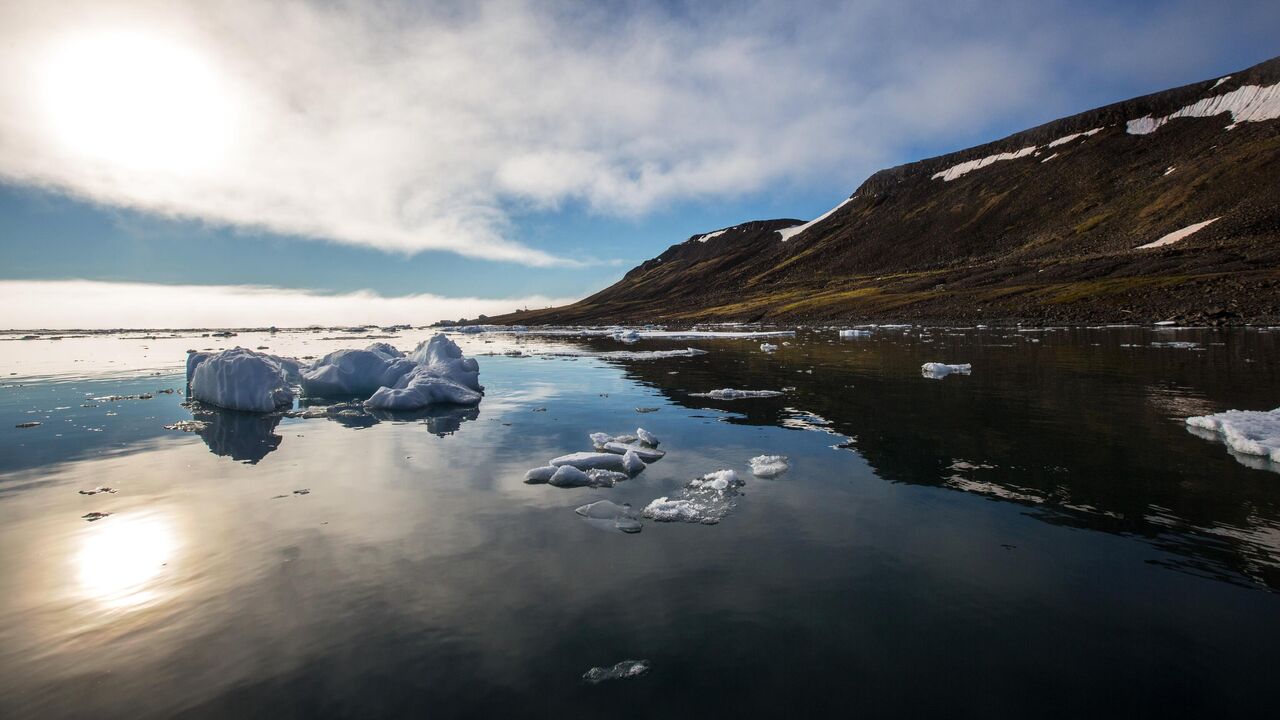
(1162, 207)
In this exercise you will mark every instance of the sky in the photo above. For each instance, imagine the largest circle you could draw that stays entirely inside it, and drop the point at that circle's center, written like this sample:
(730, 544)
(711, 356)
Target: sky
(234, 163)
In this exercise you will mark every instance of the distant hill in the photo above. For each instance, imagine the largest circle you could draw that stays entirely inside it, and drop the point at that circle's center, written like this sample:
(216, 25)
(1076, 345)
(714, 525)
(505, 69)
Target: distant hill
(1165, 206)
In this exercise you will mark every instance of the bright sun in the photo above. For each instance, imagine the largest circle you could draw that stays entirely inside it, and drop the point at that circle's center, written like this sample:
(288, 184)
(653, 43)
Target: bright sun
(138, 102)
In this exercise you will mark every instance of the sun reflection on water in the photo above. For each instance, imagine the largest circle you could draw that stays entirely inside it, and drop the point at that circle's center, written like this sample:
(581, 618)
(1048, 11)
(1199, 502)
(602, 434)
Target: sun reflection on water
(121, 559)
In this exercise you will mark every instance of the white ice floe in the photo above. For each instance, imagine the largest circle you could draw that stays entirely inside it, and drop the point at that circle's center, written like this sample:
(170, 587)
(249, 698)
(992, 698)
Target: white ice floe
(964, 168)
(568, 476)
(1177, 235)
(1179, 344)
(610, 515)
(1249, 432)
(732, 394)
(629, 463)
(855, 333)
(769, 466)
(788, 233)
(704, 500)
(768, 347)
(937, 371)
(621, 671)
(1248, 103)
(647, 437)
(241, 379)
(1068, 138)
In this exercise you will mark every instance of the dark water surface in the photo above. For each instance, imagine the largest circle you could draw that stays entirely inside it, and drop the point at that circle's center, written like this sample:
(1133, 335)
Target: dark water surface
(1042, 538)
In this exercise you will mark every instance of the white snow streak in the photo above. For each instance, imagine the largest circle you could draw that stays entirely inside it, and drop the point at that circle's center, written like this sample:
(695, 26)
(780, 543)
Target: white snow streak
(1177, 235)
(1248, 103)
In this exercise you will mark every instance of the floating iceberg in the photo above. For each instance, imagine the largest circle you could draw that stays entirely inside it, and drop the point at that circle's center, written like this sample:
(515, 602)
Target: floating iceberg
(647, 437)
(937, 371)
(705, 500)
(731, 394)
(1248, 432)
(621, 671)
(240, 379)
(854, 333)
(439, 373)
(769, 466)
(425, 385)
(628, 463)
(609, 515)
(356, 372)
(768, 347)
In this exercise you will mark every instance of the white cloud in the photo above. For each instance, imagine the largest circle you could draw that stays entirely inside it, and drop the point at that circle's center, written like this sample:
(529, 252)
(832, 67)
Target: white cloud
(87, 304)
(405, 128)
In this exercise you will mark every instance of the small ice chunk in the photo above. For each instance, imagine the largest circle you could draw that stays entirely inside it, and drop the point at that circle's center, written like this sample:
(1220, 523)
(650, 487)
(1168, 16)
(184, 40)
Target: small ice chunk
(621, 671)
(768, 466)
(629, 463)
(732, 394)
(599, 439)
(854, 333)
(569, 476)
(937, 371)
(768, 347)
(646, 454)
(647, 437)
(240, 379)
(1249, 432)
(540, 474)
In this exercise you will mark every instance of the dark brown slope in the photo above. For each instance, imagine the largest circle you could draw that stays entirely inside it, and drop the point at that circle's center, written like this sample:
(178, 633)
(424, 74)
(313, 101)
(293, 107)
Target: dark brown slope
(1052, 235)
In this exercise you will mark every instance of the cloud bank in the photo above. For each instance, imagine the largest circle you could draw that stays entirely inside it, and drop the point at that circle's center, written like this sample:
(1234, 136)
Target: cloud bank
(87, 304)
(407, 127)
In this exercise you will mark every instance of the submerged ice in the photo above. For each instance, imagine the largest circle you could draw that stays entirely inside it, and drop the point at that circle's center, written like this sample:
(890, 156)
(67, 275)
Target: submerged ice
(705, 500)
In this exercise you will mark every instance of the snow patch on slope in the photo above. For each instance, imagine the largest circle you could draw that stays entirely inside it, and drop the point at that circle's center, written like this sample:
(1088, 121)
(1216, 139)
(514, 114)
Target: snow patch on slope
(1177, 235)
(1248, 103)
(788, 233)
(969, 166)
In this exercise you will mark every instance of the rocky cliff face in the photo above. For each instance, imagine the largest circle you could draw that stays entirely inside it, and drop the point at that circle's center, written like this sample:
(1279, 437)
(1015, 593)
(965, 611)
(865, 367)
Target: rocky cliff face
(1162, 207)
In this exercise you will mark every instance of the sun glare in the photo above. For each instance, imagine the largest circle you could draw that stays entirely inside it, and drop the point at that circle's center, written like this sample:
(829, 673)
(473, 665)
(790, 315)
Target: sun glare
(137, 101)
(120, 560)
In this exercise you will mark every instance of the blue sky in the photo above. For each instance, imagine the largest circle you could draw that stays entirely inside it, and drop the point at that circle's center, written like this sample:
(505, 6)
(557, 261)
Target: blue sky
(511, 151)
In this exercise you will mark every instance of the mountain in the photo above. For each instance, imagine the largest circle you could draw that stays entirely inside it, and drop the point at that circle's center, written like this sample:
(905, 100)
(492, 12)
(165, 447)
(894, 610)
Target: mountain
(1161, 207)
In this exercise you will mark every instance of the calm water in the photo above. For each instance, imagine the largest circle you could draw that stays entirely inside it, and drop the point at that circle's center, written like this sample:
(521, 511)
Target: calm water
(1043, 538)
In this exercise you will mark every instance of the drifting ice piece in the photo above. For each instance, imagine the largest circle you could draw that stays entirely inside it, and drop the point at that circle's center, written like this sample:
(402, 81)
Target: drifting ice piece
(705, 500)
(1249, 432)
(609, 515)
(646, 454)
(854, 333)
(937, 371)
(629, 463)
(621, 671)
(540, 474)
(768, 466)
(768, 347)
(647, 437)
(443, 353)
(240, 379)
(732, 394)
